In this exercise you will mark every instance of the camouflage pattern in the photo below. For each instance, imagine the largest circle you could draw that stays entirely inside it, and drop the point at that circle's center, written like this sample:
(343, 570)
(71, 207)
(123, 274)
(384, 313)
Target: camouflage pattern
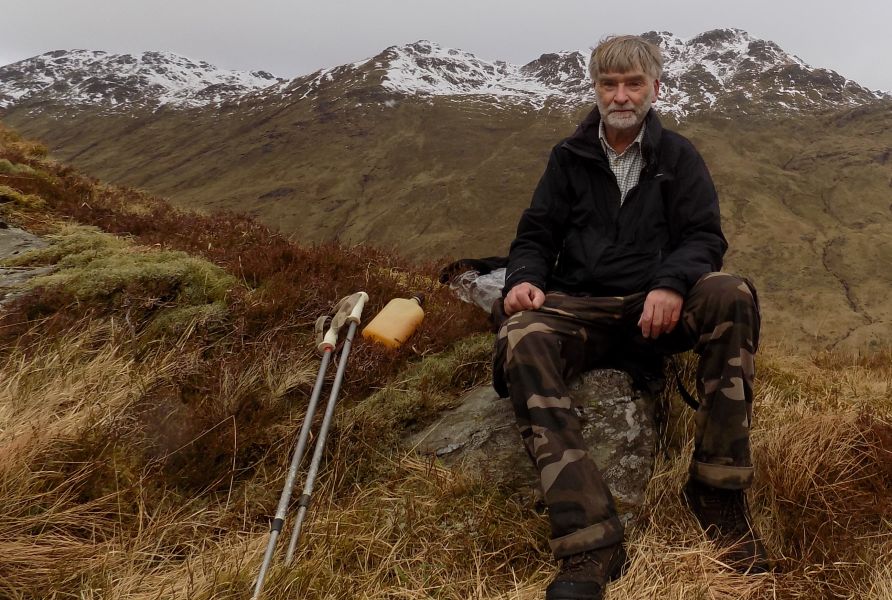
(538, 351)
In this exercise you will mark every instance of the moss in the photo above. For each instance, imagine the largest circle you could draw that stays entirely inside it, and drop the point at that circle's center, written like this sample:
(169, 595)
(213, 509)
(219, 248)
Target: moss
(421, 392)
(72, 246)
(176, 275)
(175, 322)
(92, 265)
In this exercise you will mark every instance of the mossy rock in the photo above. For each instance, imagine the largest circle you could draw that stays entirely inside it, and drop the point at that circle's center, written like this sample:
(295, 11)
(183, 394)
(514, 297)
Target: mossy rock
(480, 436)
(424, 390)
(92, 265)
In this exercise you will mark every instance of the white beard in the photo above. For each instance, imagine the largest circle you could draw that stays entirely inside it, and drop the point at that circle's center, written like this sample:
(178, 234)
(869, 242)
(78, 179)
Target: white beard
(625, 120)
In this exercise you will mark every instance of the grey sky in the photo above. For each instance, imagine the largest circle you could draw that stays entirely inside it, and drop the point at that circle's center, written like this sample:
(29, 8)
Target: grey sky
(295, 37)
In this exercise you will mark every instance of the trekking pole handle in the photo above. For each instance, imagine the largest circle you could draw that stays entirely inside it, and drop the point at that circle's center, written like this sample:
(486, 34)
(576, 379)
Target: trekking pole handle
(357, 310)
(330, 340)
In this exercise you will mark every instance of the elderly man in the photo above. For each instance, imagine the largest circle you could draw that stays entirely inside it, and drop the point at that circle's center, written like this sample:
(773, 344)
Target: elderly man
(622, 248)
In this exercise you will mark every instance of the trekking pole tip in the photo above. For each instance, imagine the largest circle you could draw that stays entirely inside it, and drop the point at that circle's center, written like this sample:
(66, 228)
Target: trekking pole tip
(362, 298)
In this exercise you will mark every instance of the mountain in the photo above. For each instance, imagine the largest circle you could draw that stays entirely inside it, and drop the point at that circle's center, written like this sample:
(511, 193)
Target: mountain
(728, 71)
(717, 70)
(436, 152)
(122, 82)
(724, 69)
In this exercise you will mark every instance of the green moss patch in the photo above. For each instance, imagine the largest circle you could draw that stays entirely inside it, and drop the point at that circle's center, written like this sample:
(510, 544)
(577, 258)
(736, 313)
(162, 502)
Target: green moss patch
(92, 265)
(176, 322)
(424, 390)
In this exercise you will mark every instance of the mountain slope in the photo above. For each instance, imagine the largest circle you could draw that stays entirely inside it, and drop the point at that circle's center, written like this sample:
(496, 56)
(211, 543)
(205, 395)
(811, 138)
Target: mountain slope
(346, 153)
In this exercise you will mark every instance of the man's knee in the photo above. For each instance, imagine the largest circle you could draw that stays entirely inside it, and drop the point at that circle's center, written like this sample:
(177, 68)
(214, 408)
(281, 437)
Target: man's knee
(504, 351)
(722, 300)
(527, 329)
(525, 340)
(727, 294)
(726, 285)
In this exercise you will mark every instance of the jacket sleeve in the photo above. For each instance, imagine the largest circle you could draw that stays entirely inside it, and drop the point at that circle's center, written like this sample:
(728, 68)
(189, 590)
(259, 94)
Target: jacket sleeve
(540, 232)
(696, 238)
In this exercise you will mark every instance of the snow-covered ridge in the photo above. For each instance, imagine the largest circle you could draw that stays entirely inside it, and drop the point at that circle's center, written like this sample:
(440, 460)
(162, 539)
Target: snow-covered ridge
(152, 79)
(698, 73)
(723, 53)
(427, 68)
(723, 70)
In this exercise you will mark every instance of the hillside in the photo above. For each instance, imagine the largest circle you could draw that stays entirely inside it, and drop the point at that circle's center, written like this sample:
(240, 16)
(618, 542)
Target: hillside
(805, 200)
(435, 152)
(155, 371)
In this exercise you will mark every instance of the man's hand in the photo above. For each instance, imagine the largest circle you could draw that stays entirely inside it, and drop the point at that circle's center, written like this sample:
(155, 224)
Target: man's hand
(523, 296)
(662, 309)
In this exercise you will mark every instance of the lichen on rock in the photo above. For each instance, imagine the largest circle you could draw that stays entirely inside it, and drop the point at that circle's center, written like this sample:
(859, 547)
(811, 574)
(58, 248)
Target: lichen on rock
(480, 436)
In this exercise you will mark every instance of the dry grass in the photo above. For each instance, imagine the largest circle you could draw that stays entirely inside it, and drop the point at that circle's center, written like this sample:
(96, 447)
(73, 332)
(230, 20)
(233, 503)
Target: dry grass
(132, 534)
(142, 452)
(94, 505)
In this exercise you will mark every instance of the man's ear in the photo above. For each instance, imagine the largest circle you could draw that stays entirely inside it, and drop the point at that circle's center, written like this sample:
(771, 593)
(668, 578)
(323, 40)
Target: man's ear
(656, 89)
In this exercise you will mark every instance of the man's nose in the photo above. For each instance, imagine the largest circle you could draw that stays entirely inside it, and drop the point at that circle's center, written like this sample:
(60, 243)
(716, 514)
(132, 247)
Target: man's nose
(621, 94)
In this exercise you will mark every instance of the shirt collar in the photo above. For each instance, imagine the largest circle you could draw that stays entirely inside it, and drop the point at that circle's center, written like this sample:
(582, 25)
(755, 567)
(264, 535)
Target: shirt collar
(602, 135)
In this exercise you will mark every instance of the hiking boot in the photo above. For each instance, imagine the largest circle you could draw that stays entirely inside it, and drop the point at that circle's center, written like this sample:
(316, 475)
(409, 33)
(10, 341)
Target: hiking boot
(725, 518)
(584, 576)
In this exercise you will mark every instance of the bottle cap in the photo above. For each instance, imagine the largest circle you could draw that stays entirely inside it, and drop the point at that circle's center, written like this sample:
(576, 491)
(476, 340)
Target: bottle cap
(419, 298)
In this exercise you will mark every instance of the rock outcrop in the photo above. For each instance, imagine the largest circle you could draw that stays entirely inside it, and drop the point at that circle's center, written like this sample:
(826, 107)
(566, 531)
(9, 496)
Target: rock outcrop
(618, 426)
(14, 241)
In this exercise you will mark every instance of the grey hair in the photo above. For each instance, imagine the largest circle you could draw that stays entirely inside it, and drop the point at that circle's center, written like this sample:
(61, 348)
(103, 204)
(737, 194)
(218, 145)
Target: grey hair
(624, 53)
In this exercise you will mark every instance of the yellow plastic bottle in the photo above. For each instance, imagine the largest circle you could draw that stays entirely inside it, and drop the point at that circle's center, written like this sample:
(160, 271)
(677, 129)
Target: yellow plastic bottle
(396, 322)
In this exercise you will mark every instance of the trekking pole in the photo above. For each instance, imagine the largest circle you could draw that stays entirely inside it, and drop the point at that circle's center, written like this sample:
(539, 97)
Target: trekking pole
(304, 501)
(326, 345)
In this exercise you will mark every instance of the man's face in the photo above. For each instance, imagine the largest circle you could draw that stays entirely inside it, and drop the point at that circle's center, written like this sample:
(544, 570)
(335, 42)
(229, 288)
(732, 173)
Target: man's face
(625, 98)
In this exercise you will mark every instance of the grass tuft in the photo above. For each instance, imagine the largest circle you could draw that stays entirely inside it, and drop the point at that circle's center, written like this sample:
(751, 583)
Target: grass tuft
(9, 168)
(20, 200)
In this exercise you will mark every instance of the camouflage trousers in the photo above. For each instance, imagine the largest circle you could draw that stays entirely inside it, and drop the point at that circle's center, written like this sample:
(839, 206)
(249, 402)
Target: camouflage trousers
(538, 351)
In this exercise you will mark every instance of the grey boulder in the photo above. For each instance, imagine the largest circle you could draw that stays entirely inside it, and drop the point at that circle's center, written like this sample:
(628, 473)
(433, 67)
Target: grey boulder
(480, 435)
(14, 241)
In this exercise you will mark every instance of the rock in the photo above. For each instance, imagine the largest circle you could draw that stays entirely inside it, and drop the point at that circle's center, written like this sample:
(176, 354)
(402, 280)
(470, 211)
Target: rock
(618, 426)
(13, 279)
(15, 241)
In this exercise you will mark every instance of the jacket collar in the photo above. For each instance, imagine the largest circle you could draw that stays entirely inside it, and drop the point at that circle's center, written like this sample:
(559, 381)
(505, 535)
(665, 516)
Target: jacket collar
(585, 142)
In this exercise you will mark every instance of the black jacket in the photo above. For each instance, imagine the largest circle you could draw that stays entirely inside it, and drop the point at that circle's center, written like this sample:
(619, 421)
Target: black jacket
(576, 238)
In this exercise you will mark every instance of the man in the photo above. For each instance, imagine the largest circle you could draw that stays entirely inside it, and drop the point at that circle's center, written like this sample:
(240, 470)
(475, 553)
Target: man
(622, 248)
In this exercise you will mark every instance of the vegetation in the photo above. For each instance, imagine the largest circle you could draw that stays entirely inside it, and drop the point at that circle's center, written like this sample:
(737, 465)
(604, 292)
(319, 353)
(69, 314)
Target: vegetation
(151, 385)
(804, 195)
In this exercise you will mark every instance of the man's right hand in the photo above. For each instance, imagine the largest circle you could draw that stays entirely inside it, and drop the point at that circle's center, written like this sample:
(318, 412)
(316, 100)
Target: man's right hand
(523, 296)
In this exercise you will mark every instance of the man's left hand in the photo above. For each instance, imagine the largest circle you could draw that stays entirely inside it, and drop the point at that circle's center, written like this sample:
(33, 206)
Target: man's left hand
(662, 309)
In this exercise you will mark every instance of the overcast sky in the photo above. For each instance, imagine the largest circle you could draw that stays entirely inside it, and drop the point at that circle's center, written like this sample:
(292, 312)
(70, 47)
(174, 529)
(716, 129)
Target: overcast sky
(296, 37)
